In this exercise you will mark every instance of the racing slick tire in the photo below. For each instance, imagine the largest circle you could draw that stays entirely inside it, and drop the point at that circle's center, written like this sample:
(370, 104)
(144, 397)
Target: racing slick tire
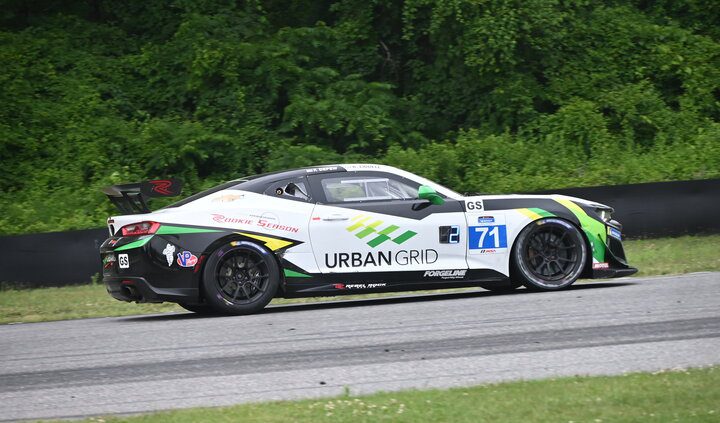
(240, 277)
(549, 254)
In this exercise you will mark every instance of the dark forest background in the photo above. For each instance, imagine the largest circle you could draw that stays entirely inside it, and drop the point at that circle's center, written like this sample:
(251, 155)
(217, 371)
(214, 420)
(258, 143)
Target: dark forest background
(486, 96)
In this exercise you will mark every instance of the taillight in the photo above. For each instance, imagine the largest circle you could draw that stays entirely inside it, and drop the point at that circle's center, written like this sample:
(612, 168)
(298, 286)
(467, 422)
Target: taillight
(142, 228)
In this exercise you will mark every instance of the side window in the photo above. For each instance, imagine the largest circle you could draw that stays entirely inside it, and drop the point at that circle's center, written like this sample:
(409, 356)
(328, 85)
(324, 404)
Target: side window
(340, 189)
(290, 189)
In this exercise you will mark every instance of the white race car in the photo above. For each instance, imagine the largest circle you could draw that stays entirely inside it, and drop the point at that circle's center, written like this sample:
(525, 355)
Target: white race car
(345, 229)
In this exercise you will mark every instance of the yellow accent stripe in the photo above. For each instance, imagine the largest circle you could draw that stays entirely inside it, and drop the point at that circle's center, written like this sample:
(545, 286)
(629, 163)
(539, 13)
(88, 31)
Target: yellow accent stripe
(358, 223)
(572, 206)
(529, 213)
(271, 243)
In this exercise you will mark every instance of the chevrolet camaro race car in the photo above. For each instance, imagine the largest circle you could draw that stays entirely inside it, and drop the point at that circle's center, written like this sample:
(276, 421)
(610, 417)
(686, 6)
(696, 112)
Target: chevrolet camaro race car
(345, 229)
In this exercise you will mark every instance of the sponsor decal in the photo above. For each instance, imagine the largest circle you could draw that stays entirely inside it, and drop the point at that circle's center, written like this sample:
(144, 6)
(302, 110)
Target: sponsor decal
(112, 242)
(615, 233)
(363, 166)
(445, 274)
(474, 205)
(219, 218)
(450, 234)
(487, 251)
(186, 259)
(123, 261)
(321, 169)
(381, 258)
(266, 221)
(490, 237)
(228, 198)
(366, 226)
(601, 265)
(169, 253)
(161, 186)
(108, 261)
(359, 285)
(486, 219)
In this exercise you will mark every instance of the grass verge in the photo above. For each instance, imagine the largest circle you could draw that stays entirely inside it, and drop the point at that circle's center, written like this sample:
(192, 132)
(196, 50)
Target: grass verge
(652, 257)
(678, 396)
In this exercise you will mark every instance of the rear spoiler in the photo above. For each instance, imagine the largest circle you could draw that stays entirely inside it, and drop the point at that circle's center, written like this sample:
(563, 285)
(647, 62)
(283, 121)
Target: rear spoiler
(132, 198)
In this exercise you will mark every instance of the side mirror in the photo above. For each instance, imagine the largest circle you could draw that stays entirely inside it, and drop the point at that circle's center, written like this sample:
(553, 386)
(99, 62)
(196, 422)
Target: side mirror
(427, 193)
(290, 188)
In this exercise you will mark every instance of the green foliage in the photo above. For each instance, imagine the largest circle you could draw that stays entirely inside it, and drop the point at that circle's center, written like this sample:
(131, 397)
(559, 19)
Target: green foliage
(483, 96)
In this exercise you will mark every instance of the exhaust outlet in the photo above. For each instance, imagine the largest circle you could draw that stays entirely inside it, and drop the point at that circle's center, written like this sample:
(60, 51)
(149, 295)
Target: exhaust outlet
(131, 293)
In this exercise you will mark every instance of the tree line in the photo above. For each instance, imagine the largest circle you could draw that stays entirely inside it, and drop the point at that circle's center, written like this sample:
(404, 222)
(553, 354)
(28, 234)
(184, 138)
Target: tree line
(490, 96)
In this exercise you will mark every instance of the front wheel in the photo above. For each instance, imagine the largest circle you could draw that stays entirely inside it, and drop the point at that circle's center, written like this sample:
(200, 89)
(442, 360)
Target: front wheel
(549, 254)
(240, 278)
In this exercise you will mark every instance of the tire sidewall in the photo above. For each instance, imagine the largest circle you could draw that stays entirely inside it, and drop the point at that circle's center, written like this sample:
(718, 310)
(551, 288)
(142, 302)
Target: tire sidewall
(520, 266)
(210, 287)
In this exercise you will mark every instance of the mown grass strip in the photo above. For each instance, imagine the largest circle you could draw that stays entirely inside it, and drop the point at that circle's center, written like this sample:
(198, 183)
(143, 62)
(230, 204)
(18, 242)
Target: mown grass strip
(670, 396)
(652, 257)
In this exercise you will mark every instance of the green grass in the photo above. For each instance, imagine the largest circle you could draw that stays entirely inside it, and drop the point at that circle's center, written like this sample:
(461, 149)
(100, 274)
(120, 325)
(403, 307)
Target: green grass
(677, 396)
(652, 257)
(667, 256)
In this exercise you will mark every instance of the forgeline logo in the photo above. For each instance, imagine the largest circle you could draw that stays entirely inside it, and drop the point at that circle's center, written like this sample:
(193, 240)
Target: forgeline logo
(445, 274)
(367, 228)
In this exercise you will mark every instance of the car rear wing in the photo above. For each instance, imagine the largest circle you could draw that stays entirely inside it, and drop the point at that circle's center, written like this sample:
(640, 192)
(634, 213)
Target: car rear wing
(132, 198)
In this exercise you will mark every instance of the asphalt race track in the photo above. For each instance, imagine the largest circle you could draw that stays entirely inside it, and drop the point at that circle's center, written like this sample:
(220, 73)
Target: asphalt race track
(143, 363)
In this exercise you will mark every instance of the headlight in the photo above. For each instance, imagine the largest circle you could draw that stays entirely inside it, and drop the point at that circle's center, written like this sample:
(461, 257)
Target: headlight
(604, 212)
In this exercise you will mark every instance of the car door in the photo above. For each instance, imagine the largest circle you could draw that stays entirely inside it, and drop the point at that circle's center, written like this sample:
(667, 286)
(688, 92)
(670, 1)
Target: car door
(372, 222)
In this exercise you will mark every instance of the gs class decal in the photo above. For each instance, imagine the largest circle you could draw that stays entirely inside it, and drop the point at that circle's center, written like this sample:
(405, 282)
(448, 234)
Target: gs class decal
(123, 261)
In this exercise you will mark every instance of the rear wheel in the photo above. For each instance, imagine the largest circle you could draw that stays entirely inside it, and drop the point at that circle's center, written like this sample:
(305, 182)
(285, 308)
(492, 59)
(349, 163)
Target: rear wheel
(549, 254)
(240, 278)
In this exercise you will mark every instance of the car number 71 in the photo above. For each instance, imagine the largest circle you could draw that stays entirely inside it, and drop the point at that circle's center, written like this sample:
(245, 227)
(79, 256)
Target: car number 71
(482, 237)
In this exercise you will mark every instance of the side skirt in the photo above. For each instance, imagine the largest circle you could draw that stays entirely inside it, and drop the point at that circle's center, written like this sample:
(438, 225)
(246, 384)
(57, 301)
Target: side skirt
(331, 284)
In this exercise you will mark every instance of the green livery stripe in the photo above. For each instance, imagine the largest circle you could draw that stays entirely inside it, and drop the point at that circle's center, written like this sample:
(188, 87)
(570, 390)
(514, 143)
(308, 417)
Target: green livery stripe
(369, 229)
(389, 230)
(177, 230)
(135, 244)
(357, 224)
(541, 212)
(594, 229)
(380, 235)
(404, 237)
(378, 240)
(293, 274)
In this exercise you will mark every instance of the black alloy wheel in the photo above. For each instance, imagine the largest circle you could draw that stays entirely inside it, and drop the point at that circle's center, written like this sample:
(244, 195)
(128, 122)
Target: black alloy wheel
(240, 278)
(549, 254)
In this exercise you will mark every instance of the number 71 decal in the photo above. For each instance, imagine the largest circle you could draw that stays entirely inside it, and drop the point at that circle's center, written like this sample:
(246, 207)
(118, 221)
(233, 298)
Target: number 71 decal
(487, 237)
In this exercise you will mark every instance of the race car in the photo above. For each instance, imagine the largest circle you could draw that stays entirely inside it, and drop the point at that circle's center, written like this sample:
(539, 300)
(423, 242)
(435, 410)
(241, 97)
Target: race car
(346, 229)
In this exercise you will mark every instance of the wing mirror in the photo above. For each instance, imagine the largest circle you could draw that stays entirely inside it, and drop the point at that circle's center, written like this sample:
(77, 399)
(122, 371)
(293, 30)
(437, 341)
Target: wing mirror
(428, 193)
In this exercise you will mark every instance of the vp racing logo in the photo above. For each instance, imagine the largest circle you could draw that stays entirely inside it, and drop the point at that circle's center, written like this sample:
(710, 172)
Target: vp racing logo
(365, 228)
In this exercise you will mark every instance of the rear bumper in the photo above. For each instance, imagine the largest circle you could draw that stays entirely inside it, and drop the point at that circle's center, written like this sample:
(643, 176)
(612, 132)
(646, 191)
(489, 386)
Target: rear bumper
(138, 289)
(147, 274)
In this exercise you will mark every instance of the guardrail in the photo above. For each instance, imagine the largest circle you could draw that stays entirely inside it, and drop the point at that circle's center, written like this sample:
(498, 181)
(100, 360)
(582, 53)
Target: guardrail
(645, 210)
